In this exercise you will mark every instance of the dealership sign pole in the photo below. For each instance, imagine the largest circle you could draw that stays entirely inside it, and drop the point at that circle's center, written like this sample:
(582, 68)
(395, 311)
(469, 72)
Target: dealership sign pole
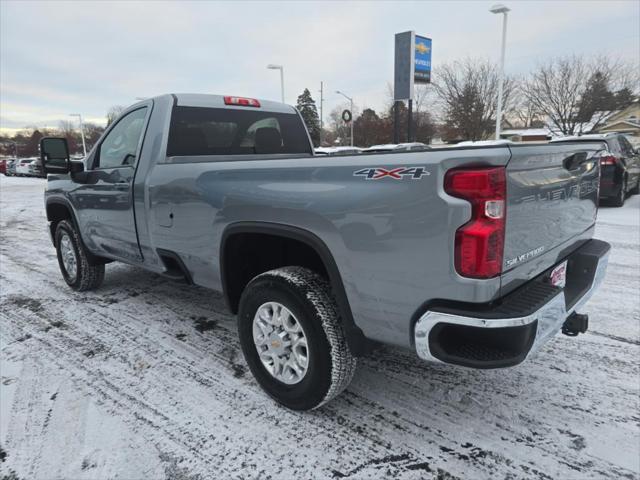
(412, 65)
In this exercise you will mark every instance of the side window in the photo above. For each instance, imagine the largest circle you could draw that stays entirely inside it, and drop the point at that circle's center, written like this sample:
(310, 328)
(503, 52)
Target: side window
(614, 145)
(626, 146)
(120, 146)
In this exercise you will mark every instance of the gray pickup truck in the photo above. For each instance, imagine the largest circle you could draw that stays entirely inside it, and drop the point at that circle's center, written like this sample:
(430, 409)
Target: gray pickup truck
(470, 256)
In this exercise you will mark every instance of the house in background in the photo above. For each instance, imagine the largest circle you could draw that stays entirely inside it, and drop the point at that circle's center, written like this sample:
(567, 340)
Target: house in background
(526, 134)
(624, 121)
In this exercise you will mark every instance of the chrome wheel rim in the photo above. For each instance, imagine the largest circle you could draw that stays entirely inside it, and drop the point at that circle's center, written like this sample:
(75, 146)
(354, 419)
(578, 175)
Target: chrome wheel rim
(281, 343)
(68, 255)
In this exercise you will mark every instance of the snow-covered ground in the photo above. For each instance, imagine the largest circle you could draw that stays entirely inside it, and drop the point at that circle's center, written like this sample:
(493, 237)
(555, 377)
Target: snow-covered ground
(144, 379)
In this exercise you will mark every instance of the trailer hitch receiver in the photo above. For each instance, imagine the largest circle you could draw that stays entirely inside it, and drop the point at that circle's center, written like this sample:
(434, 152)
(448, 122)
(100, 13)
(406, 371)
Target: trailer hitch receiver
(575, 323)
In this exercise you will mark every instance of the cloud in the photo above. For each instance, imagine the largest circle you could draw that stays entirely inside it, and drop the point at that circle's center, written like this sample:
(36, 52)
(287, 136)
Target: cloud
(60, 57)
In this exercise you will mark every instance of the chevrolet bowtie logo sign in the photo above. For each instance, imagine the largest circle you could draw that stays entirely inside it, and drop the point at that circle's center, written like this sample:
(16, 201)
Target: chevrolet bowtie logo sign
(422, 48)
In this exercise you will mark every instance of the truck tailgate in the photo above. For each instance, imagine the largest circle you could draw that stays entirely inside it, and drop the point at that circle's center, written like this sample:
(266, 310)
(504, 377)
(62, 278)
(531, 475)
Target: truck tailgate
(552, 201)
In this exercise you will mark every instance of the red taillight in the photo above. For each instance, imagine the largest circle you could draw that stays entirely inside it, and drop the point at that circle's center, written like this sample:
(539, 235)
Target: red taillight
(241, 101)
(608, 160)
(479, 243)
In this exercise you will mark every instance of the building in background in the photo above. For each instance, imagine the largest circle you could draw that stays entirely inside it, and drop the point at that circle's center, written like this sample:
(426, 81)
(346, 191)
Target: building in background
(625, 121)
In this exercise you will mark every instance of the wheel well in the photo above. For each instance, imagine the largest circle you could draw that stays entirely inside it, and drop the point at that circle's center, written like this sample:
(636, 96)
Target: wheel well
(248, 249)
(249, 254)
(55, 213)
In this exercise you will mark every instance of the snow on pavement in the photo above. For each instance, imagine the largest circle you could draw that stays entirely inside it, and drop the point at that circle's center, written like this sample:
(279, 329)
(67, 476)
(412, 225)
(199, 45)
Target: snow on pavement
(144, 379)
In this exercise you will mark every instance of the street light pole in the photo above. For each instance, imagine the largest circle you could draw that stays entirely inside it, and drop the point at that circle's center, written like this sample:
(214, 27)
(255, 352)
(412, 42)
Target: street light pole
(84, 145)
(281, 68)
(500, 9)
(351, 108)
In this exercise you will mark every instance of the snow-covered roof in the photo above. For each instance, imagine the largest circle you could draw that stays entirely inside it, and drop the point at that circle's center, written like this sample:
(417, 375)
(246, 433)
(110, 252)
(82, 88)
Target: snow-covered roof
(332, 150)
(396, 146)
(527, 132)
(589, 136)
(483, 143)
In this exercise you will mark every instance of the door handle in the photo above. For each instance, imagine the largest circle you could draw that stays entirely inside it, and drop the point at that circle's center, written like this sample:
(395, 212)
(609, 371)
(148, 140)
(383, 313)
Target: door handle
(121, 185)
(574, 161)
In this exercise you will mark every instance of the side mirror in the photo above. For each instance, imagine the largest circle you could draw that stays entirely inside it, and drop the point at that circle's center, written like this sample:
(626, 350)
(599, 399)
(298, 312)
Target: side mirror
(54, 155)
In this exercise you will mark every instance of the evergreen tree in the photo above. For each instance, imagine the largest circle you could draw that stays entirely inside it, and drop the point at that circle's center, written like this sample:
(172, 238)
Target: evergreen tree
(307, 108)
(623, 98)
(369, 129)
(596, 98)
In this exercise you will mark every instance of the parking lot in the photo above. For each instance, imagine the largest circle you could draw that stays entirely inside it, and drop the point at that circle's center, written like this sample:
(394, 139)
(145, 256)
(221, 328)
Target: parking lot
(144, 379)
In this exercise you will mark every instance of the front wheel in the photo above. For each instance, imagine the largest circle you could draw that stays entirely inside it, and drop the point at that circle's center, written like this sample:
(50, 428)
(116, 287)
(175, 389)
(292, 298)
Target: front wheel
(73, 260)
(292, 339)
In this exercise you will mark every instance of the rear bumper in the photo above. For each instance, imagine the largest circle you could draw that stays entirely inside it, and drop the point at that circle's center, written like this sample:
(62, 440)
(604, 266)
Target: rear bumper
(508, 331)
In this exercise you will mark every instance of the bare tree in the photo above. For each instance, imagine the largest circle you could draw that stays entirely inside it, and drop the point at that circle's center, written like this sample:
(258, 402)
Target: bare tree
(468, 90)
(68, 130)
(569, 89)
(524, 113)
(113, 113)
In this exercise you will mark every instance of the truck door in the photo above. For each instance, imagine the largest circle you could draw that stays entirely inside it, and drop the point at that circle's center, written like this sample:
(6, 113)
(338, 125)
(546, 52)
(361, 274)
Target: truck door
(104, 200)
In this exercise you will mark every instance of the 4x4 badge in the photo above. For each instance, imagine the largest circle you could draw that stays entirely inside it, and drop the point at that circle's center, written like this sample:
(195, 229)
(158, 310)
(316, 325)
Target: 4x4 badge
(398, 173)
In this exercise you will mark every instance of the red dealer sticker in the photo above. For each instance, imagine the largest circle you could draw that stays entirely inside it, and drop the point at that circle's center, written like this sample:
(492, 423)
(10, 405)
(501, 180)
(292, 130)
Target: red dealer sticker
(558, 275)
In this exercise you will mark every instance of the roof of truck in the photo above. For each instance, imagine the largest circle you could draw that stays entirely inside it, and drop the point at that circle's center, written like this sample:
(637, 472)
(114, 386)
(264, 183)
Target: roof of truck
(217, 101)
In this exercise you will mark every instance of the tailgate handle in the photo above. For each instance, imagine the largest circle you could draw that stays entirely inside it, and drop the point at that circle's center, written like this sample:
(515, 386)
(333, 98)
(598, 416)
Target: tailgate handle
(575, 161)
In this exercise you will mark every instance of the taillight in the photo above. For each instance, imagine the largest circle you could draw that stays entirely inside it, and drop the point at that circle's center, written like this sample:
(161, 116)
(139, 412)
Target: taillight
(241, 101)
(608, 160)
(479, 243)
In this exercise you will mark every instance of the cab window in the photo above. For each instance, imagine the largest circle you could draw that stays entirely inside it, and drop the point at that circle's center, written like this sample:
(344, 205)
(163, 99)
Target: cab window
(120, 146)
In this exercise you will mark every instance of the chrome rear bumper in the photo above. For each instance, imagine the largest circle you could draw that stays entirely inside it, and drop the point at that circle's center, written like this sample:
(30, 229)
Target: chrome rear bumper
(548, 320)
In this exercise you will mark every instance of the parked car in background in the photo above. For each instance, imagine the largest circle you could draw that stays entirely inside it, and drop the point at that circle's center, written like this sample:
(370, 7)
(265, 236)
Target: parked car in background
(337, 150)
(3, 166)
(22, 167)
(396, 147)
(619, 166)
(11, 167)
(35, 168)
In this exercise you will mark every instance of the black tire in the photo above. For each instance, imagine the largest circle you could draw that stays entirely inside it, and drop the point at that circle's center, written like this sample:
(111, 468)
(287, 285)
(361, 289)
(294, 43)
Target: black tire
(308, 297)
(86, 276)
(622, 195)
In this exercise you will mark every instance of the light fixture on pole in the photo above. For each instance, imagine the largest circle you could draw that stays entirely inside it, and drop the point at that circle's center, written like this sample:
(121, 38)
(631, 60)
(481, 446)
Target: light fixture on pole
(350, 108)
(84, 145)
(499, 8)
(281, 68)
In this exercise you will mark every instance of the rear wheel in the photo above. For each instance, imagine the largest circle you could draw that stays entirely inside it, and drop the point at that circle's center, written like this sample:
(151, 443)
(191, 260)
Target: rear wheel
(292, 340)
(636, 190)
(73, 259)
(620, 198)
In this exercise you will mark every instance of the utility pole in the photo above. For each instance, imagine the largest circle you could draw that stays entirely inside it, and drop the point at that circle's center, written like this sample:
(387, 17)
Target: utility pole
(321, 108)
(497, 9)
(351, 107)
(271, 66)
(396, 122)
(84, 145)
(410, 122)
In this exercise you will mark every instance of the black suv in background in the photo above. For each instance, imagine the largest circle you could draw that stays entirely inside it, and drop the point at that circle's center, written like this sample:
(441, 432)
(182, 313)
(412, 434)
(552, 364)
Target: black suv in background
(619, 166)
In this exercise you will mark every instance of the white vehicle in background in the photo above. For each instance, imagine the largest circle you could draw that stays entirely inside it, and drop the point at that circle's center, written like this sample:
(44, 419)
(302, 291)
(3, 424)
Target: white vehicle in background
(397, 147)
(24, 168)
(337, 150)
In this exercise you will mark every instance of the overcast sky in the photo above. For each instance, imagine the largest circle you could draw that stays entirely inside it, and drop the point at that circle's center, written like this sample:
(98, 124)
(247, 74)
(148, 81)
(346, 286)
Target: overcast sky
(62, 57)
